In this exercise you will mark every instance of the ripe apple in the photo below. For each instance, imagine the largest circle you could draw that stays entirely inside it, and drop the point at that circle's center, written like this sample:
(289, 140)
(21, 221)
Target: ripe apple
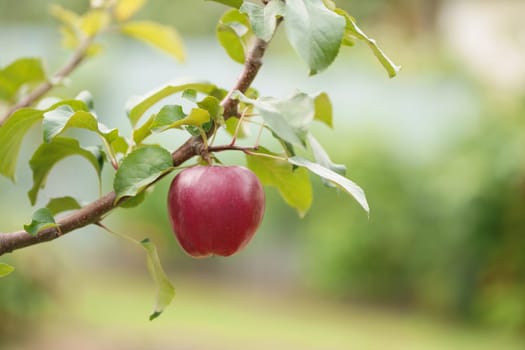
(215, 210)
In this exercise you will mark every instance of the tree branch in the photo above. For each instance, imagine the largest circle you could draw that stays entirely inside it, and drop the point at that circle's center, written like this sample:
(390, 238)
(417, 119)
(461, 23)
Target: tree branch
(95, 211)
(78, 56)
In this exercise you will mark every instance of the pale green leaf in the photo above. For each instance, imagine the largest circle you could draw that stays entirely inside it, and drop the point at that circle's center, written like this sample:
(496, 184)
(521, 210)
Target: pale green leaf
(125, 9)
(342, 182)
(165, 290)
(353, 31)
(263, 19)
(162, 37)
(141, 168)
(314, 31)
(231, 3)
(5, 269)
(323, 109)
(48, 154)
(288, 118)
(293, 185)
(42, 219)
(139, 105)
(322, 157)
(19, 73)
(62, 204)
(94, 21)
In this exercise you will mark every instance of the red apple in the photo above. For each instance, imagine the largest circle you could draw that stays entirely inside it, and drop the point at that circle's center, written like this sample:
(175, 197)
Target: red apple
(215, 210)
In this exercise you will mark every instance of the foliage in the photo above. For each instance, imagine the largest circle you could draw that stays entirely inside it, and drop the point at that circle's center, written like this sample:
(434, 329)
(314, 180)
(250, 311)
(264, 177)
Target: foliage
(243, 31)
(460, 249)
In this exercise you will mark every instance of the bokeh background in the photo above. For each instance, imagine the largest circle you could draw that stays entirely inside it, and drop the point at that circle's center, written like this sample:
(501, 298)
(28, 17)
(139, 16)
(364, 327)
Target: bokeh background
(439, 150)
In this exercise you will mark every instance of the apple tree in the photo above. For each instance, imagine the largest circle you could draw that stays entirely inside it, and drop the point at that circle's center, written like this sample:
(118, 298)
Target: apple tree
(214, 208)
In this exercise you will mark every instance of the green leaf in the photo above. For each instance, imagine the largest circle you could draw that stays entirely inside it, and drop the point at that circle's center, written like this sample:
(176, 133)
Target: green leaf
(132, 202)
(168, 115)
(62, 204)
(48, 154)
(213, 106)
(323, 109)
(16, 127)
(5, 269)
(141, 168)
(288, 118)
(314, 31)
(263, 19)
(190, 95)
(64, 117)
(42, 219)
(162, 37)
(125, 9)
(231, 126)
(139, 105)
(231, 42)
(232, 3)
(11, 136)
(293, 185)
(165, 290)
(233, 29)
(349, 186)
(353, 31)
(144, 130)
(17, 74)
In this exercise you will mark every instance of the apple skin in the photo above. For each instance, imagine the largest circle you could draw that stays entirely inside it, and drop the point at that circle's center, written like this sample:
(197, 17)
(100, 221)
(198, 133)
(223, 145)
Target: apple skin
(215, 210)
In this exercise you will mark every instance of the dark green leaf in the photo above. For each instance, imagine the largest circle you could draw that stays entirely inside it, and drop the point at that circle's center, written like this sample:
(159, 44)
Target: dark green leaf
(139, 105)
(48, 154)
(353, 31)
(141, 168)
(18, 73)
(162, 37)
(232, 3)
(293, 185)
(62, 204)
(5, 269)
(165, 290)
(42, 219)
(263, 19)
(349, 186)
(314, 31)
(288, 118)
(323, 109)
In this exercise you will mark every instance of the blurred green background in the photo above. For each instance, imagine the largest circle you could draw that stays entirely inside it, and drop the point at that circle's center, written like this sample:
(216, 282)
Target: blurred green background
(439, 150)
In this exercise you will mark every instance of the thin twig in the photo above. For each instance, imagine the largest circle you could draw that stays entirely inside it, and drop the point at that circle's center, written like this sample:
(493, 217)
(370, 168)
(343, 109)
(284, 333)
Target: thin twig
(78, 56)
